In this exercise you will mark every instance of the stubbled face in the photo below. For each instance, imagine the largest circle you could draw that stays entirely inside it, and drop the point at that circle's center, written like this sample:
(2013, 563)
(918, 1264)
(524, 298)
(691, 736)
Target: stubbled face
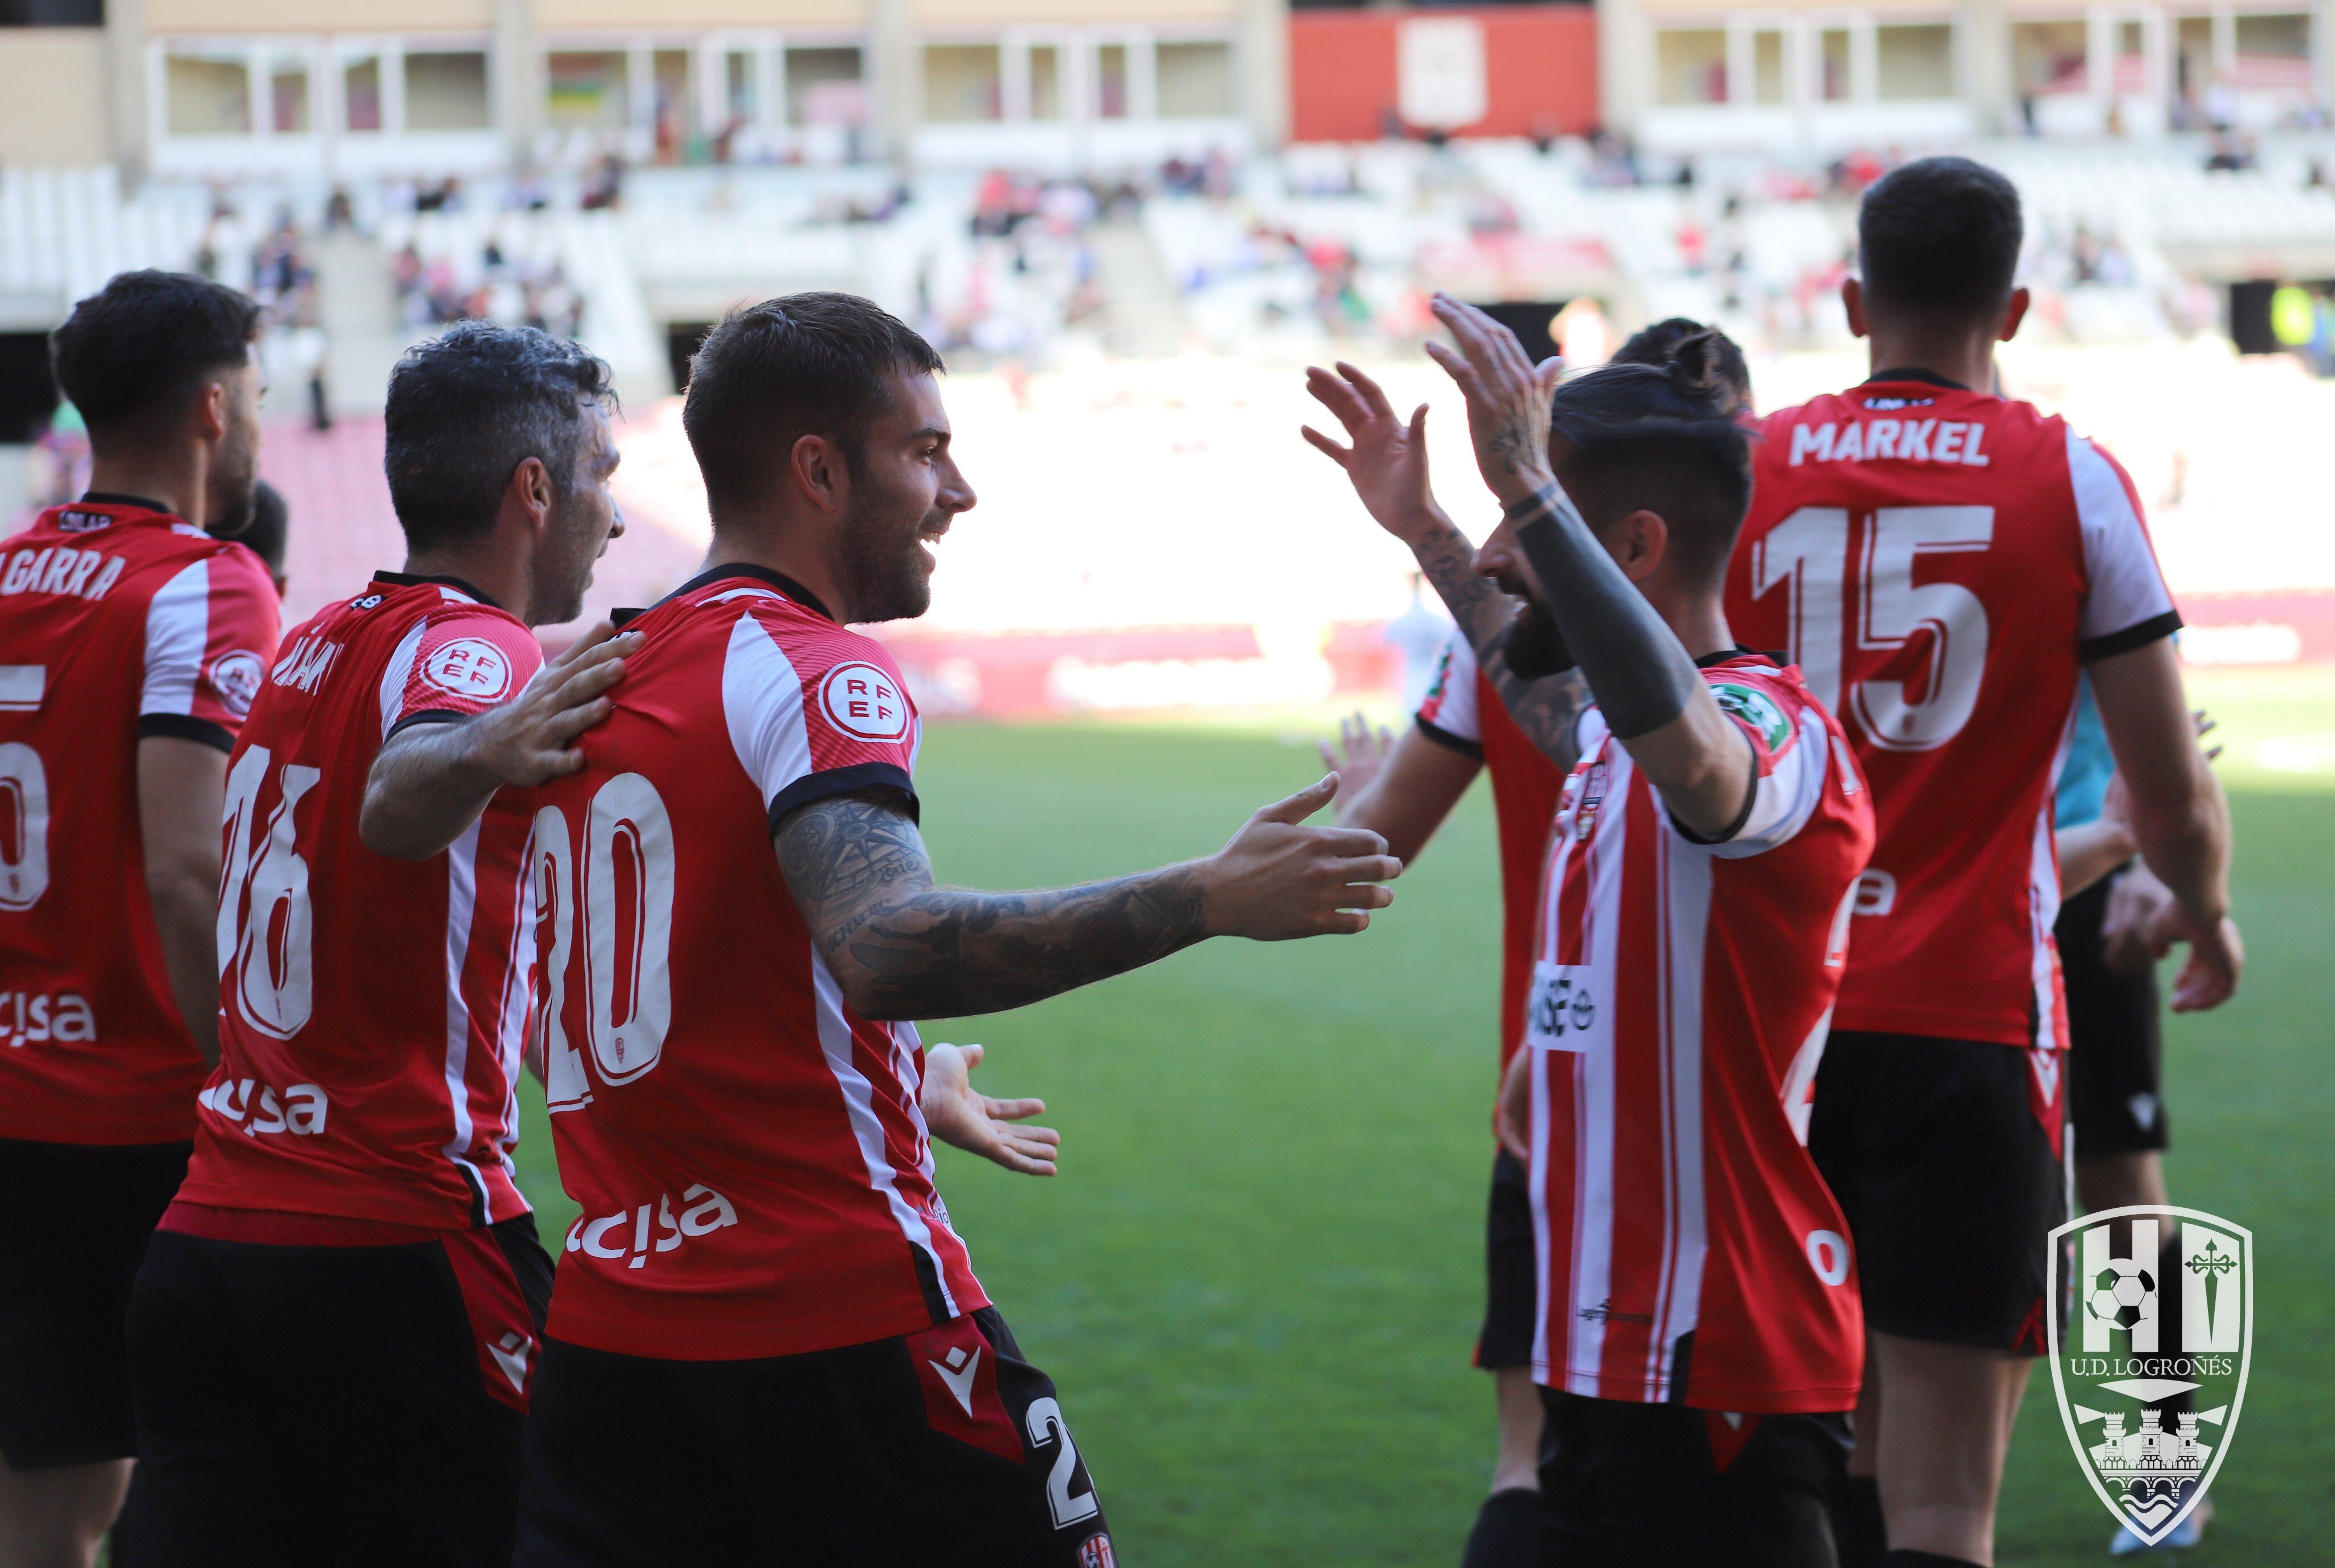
(583, 522)
(906, 491)
(234, 464)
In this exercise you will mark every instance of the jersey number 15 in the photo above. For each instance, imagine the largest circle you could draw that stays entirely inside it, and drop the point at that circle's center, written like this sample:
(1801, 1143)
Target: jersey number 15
(1810, 550)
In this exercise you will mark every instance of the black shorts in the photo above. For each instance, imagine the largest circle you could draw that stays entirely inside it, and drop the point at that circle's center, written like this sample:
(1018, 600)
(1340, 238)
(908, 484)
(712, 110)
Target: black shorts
(1510, 1298)
(333, 1404)
(2116, 1041)
(940, 1450)
(73, 1223)
(1631, 1485)
(1943, 1154)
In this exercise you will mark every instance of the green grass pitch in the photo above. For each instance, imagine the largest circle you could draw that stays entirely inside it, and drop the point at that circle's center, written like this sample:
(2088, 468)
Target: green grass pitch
(1258, 1276)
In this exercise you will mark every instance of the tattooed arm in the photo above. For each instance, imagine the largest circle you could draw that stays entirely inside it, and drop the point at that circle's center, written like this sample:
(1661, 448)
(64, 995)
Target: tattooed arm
(901, 947)
(1388, 466)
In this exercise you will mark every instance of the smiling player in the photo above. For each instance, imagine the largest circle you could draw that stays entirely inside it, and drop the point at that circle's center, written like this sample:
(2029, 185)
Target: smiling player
(767, 1342)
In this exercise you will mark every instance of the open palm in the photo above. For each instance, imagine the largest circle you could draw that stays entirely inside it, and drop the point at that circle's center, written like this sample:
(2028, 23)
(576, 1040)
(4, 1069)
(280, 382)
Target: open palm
(958, 1114)
(1387, 460)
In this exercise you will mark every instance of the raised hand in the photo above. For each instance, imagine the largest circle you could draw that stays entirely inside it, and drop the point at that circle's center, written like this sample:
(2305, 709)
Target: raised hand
(530, 739)
(1509, 399)
(1365, 753)
(1277, 879)
(1388, 461)
(959, 1116)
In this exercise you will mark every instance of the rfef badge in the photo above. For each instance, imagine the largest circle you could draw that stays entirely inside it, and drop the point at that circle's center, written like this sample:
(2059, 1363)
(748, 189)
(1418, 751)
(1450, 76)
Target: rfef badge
(2151, 1363)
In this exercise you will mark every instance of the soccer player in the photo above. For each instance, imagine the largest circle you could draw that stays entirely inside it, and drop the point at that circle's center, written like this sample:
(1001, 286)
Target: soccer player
(131, 646)
(1942, 562)
(767, 1342)
(1697, 1336)
(332, 1337)
(1403, 791)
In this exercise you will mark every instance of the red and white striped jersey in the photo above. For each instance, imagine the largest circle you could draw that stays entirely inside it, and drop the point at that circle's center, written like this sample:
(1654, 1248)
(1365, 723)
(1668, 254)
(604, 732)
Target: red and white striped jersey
(1463, 712)
(748, 1153)
(117, 621)
(1940, 562)
(1682, 993)
(372, 1010)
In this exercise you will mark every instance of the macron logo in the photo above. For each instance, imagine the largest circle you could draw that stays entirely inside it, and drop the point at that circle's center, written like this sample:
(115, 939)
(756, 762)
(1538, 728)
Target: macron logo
(511, 1355)
(958, 1374)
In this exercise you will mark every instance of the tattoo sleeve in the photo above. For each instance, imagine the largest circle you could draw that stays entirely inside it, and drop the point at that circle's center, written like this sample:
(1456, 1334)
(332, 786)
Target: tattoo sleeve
(1546, 709)
(905, 948)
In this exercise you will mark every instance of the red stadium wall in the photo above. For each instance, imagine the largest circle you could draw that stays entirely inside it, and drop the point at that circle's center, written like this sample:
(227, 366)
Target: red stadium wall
(1540, 71)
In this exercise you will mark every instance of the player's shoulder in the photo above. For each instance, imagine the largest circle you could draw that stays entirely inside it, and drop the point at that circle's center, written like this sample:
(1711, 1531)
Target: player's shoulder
(1761, 693)
(761, 606)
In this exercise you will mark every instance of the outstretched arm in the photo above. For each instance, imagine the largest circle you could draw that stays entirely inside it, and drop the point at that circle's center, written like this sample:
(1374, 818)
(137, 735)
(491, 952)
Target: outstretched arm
(901, 947)
(1387, 464)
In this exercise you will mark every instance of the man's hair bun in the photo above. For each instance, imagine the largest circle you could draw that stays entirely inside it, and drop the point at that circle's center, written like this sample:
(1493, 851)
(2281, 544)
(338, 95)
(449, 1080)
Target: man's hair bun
(1696, 372)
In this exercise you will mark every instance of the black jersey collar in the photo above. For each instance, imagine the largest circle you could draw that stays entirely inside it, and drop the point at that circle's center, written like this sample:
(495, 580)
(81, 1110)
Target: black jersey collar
(1725, 656)
(778, 580)
(111, 498)
(444, 579)
(1914, 372)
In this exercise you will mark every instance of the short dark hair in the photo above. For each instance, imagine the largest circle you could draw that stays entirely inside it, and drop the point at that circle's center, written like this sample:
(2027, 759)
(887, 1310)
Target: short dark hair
(264, 535)
(1940, 237)
(1664, 439)
(801, 364)
(1658, 344)
(146, 342)
(467, 407)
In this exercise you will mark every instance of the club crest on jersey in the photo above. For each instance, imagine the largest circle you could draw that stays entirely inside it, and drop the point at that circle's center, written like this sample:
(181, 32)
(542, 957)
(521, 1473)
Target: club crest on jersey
(235, 677)
(1751, 706)
(1594, 785)
(862, 700)
(469, 667)
(2164, 1358)
(1094, 1552)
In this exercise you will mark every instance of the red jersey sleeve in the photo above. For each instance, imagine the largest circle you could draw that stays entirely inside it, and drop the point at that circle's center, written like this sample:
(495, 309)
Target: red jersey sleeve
(456, 662)
(2125, 603)
(210, 635)
(1791, 748)
(815, 710)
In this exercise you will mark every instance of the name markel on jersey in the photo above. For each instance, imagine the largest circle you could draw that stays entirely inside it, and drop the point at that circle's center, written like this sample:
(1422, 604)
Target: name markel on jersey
(1930, 440)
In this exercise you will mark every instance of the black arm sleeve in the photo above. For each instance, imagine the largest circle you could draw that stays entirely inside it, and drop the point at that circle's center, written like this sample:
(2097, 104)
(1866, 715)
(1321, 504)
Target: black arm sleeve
(1636, 668)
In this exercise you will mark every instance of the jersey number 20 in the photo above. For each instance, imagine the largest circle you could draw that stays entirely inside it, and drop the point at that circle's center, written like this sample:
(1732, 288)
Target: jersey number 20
(1810, 550)
(627, 905)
